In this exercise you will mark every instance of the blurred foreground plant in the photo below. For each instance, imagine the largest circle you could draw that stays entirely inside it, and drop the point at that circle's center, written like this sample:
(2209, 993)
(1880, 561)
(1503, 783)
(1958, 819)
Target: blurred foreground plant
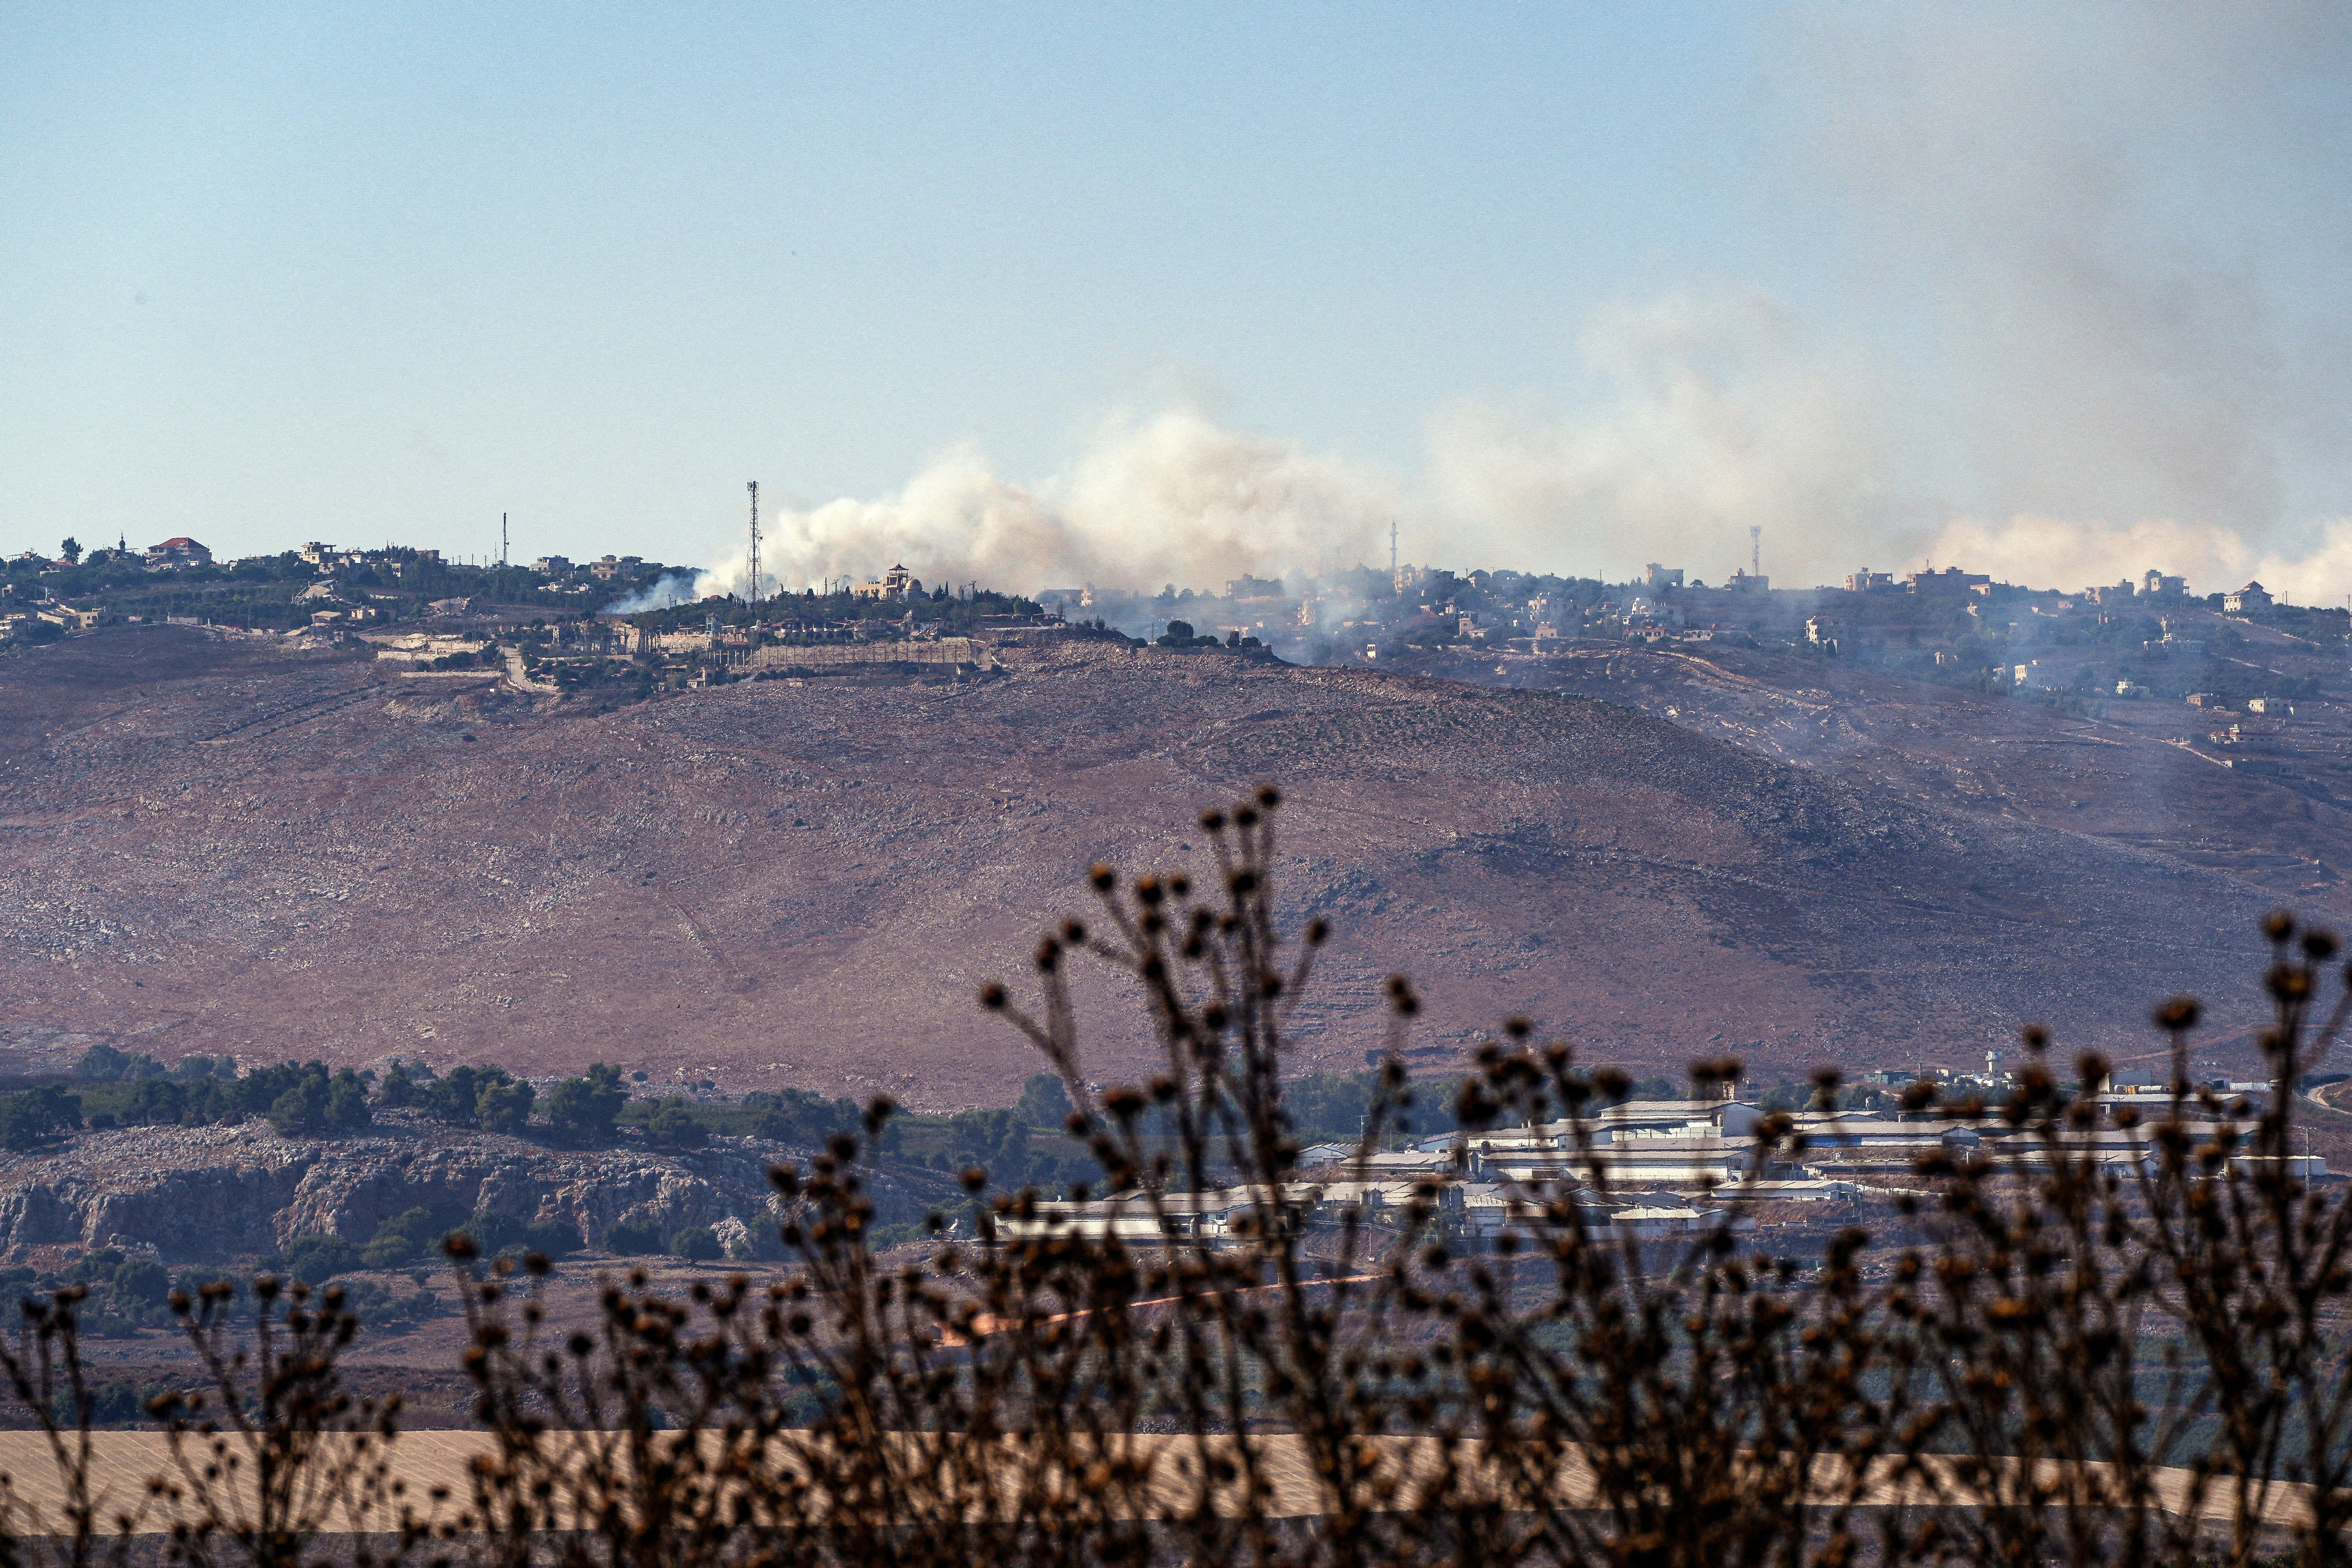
(2085, 1335)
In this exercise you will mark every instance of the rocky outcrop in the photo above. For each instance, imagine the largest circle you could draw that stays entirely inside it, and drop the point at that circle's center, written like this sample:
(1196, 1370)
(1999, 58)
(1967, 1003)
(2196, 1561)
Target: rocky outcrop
(200, 1193)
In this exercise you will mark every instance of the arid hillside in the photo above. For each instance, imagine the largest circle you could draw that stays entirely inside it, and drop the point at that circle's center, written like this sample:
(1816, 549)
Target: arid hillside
(2265, 797)
(211, 846)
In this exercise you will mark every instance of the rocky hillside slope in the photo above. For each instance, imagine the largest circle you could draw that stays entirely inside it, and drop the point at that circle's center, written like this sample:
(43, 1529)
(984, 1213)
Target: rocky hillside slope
(2269, 804)
(209, 1193)
(213, 847)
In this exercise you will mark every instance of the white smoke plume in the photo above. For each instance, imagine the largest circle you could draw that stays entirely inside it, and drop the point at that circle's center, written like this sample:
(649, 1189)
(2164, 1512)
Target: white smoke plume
(1173, 498)
(680, 587)
(1719, 421)
(2059, 552)
(2064, 330)
(2074, 247)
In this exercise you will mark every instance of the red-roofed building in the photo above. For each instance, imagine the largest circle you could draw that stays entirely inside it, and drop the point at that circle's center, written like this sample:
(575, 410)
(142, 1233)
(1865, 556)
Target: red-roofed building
(180, 552)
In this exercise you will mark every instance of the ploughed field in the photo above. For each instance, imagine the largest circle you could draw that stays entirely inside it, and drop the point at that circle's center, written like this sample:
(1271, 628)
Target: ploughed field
(212, 846)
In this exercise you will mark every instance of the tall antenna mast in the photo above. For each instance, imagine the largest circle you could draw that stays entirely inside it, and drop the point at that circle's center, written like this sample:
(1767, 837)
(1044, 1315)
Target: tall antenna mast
(502, 538)
(1755, 551)
(1392, 550)
(753, 486)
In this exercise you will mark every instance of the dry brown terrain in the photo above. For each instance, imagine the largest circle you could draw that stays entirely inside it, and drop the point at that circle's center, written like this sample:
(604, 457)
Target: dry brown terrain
(2139, 773)
(211, 846)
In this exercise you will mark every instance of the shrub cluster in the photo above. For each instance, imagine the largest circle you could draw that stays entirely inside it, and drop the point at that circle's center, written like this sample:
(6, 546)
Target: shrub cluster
(2050, 1357)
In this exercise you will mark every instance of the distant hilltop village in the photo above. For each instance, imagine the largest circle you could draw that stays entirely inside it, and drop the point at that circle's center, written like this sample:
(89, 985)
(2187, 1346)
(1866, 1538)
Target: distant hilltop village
(2151, 637)
(2132, 638)
(619, 628)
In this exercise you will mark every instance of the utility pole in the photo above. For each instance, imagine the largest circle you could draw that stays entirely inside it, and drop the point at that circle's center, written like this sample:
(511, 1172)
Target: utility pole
(753, 486)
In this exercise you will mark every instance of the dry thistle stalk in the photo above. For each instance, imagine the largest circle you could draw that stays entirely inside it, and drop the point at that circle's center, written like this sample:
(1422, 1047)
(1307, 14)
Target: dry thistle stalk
(2098, 1336)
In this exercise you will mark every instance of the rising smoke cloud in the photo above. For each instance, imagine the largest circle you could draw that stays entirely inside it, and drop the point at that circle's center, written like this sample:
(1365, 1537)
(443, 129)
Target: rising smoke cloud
(1720, 419)
(679, 587)
(1172, 498)
(2061, 332)
(2093, 220)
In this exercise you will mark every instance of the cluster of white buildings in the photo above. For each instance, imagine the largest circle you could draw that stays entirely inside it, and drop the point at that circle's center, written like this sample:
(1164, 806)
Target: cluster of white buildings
(1643, 1169)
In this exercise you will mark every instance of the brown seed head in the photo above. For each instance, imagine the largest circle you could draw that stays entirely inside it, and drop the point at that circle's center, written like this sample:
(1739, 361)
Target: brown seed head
(2288, 982)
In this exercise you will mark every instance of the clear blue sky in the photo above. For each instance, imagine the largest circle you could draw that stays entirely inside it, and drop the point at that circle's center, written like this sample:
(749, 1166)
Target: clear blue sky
(360, 272)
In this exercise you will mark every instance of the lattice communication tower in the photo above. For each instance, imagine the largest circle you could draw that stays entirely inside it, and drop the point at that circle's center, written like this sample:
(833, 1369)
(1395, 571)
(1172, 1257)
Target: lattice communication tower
(753, 486)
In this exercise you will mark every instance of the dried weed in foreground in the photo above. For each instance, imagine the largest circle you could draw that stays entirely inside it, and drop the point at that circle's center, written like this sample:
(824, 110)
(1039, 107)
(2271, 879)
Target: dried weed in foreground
(2101, 1337)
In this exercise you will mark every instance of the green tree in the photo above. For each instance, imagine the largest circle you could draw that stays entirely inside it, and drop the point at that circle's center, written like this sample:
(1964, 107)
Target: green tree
(347, 1103)
(301, 1110)
(397, 1087)
(996, 1141)
(585, 1107)
(456, 1097)
(102, 1064)
(140, 1286)
(70, 549)
(697, 1244)
(555, 1237)
(1044, 1103)
(30, 1120)
(318, 1258)
(156, 1100)
(317, 1105)
(672, 1125)
(496, 1232)
(504, 1104)
(399, 1240)
(633, 1239)
(798, 1116)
